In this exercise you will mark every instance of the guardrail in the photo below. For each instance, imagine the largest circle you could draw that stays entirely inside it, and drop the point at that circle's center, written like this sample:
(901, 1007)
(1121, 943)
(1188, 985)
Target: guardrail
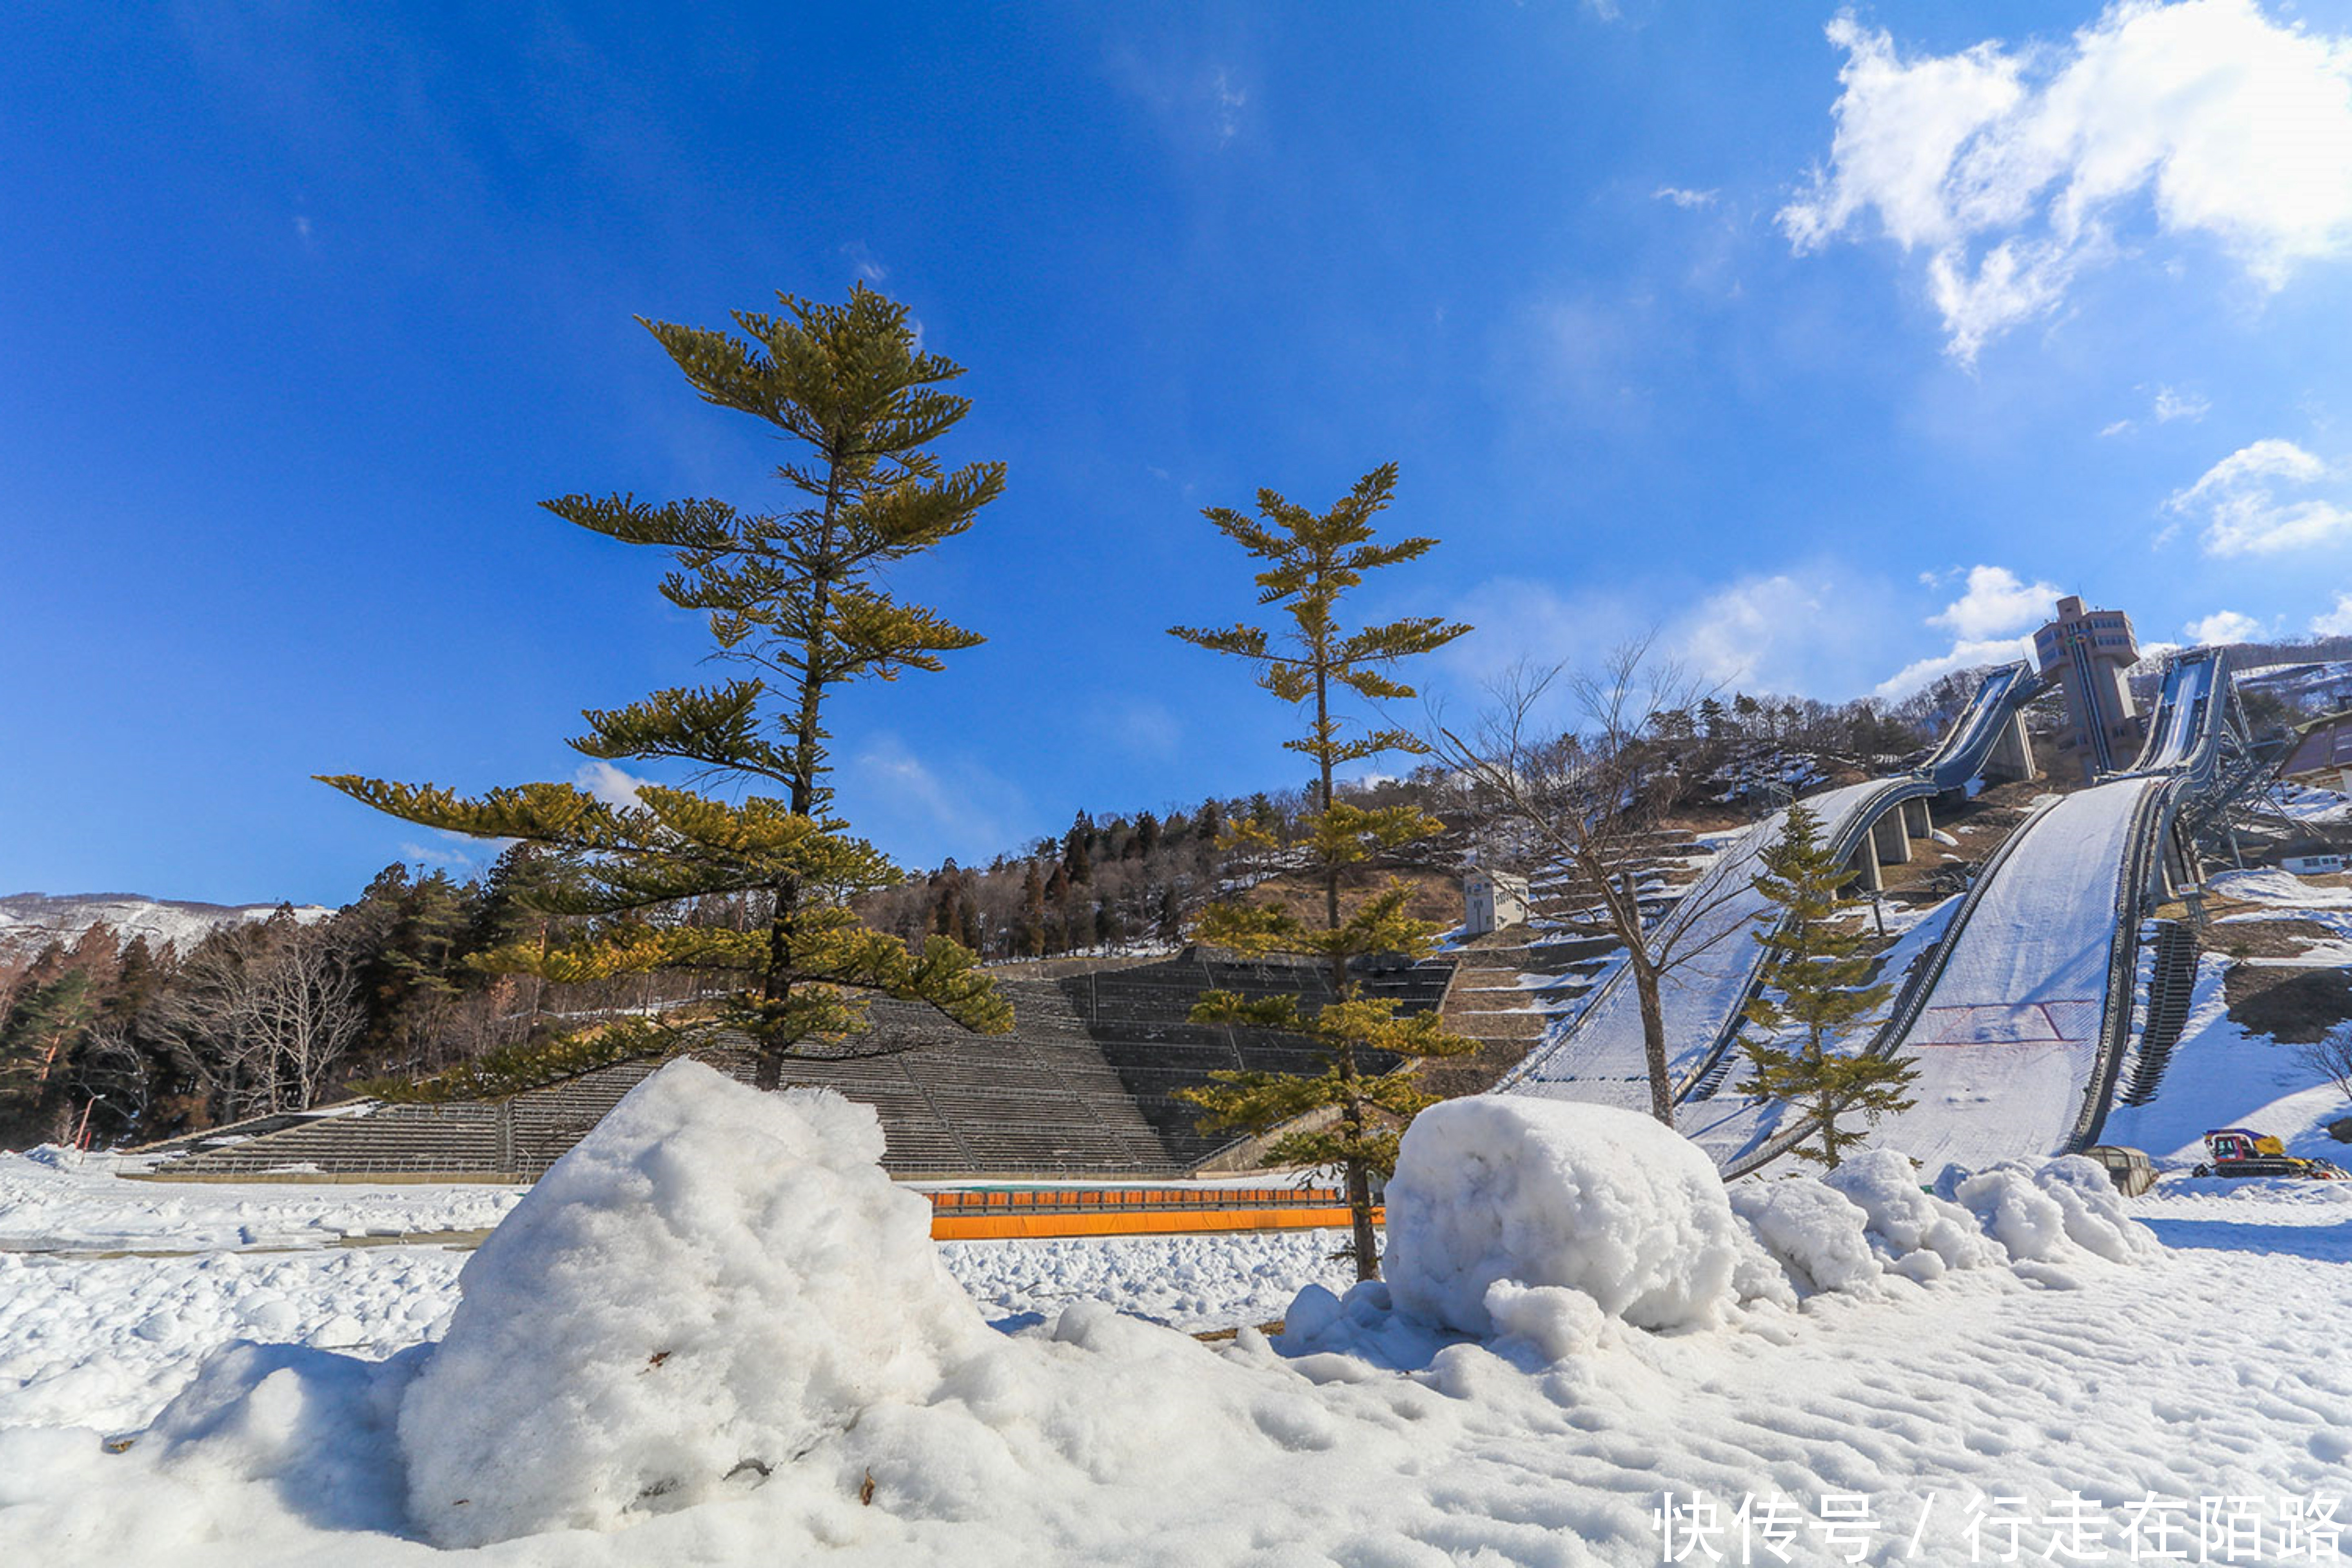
(2149, 823)
(973, 1215)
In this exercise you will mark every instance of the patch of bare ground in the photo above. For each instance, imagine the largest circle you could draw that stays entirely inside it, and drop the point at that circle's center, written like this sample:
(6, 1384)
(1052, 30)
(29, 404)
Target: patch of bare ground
(1450, 1078)
(2265, 939)
(2293, 1007)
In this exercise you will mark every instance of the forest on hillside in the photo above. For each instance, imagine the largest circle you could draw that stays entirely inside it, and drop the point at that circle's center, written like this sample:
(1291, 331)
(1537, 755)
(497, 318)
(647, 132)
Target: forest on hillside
(109, 1041)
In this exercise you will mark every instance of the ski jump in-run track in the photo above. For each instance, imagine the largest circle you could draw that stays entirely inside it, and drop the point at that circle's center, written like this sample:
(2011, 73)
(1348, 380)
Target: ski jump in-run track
(2020, 1017)
(1599, 1055)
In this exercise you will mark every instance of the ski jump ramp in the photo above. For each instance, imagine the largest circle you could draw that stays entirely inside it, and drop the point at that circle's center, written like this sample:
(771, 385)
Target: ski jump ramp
(1599, 1055)
(2019, 1020)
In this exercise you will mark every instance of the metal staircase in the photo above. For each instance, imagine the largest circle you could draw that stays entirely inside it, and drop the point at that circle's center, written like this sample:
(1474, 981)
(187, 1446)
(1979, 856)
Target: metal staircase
(2171, 987)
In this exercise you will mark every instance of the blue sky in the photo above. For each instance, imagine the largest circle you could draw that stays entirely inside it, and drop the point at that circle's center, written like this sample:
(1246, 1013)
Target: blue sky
(1827, 343)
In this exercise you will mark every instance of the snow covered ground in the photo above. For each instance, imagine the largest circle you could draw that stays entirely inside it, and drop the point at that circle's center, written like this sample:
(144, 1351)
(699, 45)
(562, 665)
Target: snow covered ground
(54, 1200)
(107, 1342)
(2057, 1373)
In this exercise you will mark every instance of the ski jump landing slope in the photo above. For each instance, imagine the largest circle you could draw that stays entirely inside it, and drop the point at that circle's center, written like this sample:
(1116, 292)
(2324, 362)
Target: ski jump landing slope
(1600, 1058)
(2029, 1004)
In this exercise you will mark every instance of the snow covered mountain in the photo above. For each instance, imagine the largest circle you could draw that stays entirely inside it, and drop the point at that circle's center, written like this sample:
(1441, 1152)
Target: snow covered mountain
(30, 921)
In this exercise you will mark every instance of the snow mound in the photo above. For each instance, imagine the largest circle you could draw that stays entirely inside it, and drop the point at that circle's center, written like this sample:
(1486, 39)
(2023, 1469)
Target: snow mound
(315, 1425)
(706, 1288)
(2028, 1225)
(2094, 1211)
(1812, 1231)
(2043, 1213)
(1920, 1236)
(1555, 1193)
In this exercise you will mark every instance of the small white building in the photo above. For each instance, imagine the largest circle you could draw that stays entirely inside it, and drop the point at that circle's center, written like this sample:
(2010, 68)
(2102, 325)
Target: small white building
(1491, 900)
(2319, 864)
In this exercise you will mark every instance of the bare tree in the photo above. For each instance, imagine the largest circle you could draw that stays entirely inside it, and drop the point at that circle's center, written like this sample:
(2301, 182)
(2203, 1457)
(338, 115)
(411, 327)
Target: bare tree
(2330, 1056)
(262, 1013)
(1591, 798)
(109, 1069)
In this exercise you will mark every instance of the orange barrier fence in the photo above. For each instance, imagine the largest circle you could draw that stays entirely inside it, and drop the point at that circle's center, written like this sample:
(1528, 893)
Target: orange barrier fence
(1132, 1211)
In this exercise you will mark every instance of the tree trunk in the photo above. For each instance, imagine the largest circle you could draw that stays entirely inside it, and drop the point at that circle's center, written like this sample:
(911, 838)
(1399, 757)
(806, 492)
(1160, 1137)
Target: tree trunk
(1359, 1209)
(1653, 1042)
(776, 983)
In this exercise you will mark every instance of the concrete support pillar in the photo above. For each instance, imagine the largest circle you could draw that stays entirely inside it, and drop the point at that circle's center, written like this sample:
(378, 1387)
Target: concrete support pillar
(1893, 845)
(2013, 755)
(1865, 865)
(1915, 820)
(2183, 867)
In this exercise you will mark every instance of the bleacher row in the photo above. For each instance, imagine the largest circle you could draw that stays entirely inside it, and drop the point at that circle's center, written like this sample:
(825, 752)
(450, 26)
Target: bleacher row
(1085, 1084)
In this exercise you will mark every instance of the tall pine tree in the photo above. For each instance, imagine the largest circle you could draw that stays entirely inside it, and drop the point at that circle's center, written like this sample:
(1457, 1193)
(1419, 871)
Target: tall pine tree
(1311, 562)
(797, 597)
(1815, 964)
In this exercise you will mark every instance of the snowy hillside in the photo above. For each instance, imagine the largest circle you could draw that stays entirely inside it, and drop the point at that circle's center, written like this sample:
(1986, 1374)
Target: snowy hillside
(30, 921)
(2310, 684)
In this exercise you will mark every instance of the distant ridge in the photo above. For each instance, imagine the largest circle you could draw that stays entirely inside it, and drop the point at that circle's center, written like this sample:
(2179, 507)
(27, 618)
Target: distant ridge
(30, 921)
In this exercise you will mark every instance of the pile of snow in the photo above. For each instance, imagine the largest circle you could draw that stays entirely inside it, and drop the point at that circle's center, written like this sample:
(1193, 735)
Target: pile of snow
(719, 1294)
(1533, 1224)
(735, 1279)
(1817, 1238)
(719, 1300)
(2045, 1214)
(1916, 1233)
(1556, 1193)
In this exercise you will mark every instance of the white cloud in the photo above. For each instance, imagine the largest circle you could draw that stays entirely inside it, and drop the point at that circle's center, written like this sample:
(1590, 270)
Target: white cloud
(2171, 406)
(457, 852)
(2223, 627)
(1960, 656)
(2120, 427)
(2238, 498)
(1527, 620)
(1229, 102)
(2337, 622)
(2011, 168)
(609, 784)
(1737, 630)
(1987, 622)
(1684, 198)
(1996, 603)
(1809, 631)
(1144, 727)
(919, 807)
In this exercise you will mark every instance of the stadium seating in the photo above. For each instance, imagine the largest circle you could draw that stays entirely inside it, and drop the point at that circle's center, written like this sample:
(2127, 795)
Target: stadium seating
(1085, 1085)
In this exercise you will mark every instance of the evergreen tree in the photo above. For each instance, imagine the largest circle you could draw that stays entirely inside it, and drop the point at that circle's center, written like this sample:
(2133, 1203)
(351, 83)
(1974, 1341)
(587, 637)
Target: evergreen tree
(36, 1038)
(1311, 563)
(1814, 963)
(1032, 939)
(1171, 912)
(797, 597)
